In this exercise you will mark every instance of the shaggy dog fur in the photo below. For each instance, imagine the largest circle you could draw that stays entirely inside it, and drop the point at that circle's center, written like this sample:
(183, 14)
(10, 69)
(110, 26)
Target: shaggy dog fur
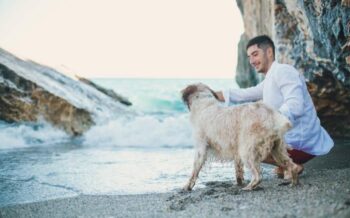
(247, 134)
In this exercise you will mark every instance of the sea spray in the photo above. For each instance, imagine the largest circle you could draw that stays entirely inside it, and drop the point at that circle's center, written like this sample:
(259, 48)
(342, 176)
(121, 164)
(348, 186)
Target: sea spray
(27, 134)
(142, 131)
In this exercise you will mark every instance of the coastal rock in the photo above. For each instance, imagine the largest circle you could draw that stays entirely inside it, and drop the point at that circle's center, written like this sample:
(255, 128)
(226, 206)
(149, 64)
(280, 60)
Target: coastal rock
(30, 92)
(108, 92)
(23, 100)
(314, 37)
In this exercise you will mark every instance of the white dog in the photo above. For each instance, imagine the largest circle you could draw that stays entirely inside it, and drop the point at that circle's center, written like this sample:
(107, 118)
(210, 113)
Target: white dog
(247, 134)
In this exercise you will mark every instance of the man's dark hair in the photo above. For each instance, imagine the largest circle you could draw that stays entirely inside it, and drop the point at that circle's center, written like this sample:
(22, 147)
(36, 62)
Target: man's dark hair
(262, 42)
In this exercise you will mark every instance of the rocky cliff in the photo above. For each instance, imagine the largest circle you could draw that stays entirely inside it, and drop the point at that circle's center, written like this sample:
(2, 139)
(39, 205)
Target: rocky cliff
(313, 36)
(30, 91)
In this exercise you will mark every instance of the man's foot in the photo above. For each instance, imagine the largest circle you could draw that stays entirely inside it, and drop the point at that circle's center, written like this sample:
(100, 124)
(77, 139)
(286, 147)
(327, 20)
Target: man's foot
(279, 171)
(283, 174)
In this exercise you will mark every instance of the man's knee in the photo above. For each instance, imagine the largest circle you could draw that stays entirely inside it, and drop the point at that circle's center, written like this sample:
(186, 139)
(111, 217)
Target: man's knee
(300, 157)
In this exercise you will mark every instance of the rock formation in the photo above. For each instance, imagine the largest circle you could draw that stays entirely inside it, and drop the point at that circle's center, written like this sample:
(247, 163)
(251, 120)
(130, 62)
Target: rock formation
(29, 92)
(313, 36)
(23, 100)
(108, 92)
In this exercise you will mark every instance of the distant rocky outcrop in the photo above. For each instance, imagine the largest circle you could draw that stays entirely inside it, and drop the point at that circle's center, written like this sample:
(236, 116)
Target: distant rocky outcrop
(30, 91)
(108, 92)
(313, 36)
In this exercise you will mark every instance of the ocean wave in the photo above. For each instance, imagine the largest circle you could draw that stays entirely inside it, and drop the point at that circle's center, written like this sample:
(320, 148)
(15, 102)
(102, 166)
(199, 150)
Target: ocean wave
(28, 134)
(142, 131)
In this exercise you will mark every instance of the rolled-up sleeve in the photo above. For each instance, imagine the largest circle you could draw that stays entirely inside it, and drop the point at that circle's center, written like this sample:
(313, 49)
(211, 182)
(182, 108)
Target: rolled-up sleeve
(254, 93)
(290, 85)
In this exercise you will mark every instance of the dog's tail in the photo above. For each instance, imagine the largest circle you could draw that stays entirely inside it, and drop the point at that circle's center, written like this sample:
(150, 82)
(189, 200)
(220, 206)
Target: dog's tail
(282, 123)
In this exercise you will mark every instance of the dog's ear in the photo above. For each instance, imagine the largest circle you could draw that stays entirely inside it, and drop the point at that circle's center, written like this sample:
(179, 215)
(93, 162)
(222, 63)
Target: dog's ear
(187, 92)
(215, 95)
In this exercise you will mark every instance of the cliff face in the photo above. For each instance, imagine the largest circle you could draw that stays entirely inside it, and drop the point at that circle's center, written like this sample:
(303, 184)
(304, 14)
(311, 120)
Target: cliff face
(30, 91)
(314, 37)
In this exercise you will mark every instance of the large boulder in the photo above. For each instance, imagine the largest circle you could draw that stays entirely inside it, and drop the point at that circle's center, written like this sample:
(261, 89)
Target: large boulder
(313, 36)
(30, 92)
(23, 100)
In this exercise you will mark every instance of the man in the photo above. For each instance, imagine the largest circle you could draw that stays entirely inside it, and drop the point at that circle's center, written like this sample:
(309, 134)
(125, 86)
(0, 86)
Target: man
(284, 89)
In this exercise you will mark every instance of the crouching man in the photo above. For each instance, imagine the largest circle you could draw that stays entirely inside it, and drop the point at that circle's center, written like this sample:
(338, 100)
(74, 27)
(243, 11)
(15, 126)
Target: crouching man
(284, 89)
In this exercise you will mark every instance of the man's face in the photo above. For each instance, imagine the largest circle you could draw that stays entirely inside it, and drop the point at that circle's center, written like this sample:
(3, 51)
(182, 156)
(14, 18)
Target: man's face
(259, 58)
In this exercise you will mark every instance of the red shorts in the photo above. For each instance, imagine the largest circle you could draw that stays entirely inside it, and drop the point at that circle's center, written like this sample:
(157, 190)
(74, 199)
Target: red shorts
(300, 157)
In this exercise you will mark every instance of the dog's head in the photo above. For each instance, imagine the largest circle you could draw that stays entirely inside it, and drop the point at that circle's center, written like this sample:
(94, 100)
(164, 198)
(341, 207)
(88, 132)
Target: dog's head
(198, 90)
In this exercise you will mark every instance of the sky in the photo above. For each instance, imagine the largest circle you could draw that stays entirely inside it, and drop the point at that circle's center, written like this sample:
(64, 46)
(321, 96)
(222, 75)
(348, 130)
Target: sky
(125, 38)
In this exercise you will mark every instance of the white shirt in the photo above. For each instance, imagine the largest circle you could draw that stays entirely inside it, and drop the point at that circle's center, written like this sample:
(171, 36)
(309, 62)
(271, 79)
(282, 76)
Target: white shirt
(284, 89)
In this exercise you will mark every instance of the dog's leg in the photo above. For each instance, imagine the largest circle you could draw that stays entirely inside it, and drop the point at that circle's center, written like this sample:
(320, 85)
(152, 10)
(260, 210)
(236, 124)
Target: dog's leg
(280, 155)
(292, 169)
(239, 171)
(200, 157)
(254, 167)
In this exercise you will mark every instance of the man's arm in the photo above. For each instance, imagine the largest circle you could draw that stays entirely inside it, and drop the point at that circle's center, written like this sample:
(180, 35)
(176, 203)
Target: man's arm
(290, 84)
(254, 93)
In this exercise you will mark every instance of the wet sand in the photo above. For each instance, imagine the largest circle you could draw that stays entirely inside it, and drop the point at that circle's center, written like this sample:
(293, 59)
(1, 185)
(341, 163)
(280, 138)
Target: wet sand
(324, 192)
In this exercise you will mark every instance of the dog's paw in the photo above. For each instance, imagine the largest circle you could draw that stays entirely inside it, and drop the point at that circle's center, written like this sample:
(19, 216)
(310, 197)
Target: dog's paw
(285, 183)
(252, 187)
(287, 175)
(294, 184)
(256, 188)
(187, 188)
(240, 182)
(247, 188)
(184, 191)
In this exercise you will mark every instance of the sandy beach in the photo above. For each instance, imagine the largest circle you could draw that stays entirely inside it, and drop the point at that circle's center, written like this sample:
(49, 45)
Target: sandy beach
(324, 192)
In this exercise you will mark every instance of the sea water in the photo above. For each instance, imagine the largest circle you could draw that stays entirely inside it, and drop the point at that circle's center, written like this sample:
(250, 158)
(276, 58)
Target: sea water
(150, 152)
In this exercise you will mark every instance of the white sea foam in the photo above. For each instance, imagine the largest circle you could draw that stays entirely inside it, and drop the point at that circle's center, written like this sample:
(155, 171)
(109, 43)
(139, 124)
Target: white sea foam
(28, 134)
(145, 131)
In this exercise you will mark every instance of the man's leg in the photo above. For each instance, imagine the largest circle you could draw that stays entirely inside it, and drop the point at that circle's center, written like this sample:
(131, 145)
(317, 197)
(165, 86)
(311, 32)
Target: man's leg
(299, 157)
